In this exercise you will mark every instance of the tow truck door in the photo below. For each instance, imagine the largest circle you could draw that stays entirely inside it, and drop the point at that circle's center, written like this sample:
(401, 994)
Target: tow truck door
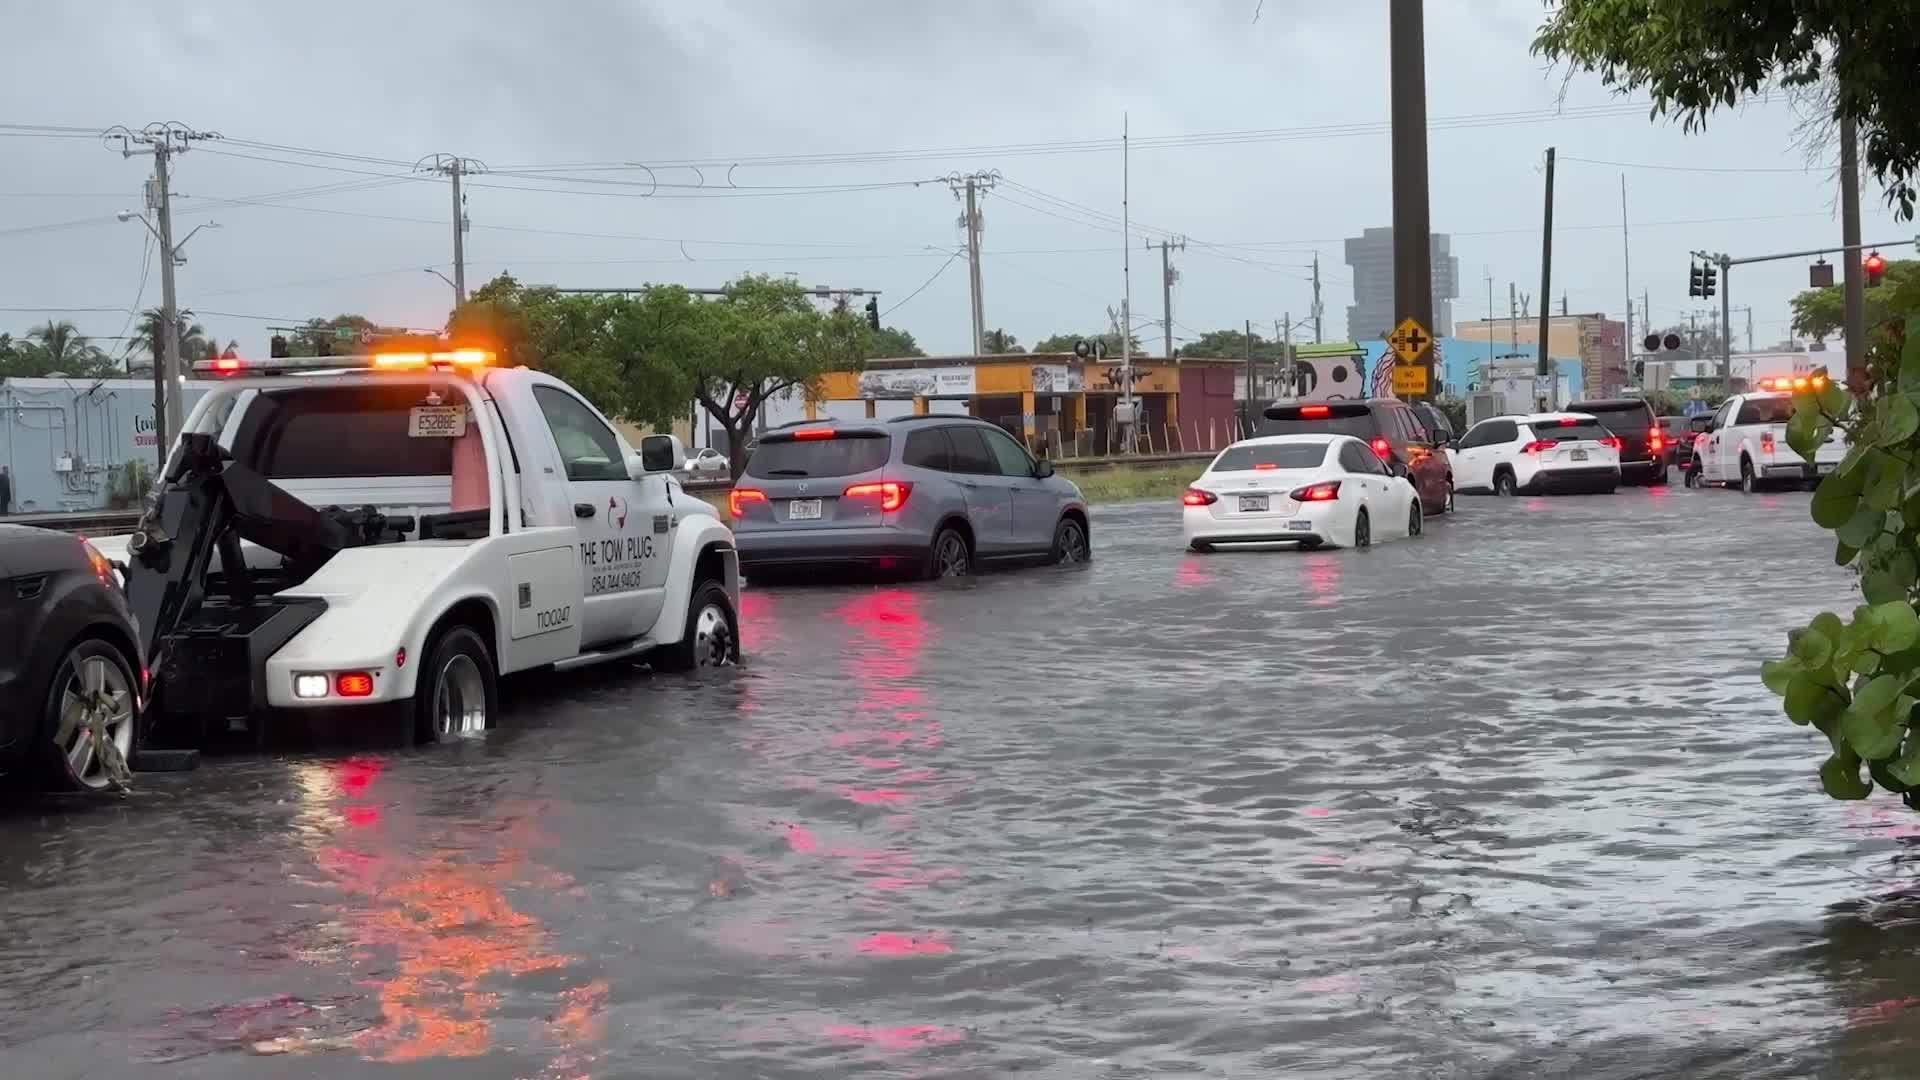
(621, 559)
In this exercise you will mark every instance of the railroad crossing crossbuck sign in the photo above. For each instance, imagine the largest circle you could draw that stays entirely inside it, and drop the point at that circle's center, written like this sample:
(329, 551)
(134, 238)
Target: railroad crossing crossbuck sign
(1409, 340)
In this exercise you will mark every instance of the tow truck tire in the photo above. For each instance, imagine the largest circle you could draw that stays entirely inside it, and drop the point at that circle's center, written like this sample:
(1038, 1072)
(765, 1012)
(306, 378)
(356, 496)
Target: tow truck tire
(459, 689)
(711, 637)
(1748, 482)
(89, 665)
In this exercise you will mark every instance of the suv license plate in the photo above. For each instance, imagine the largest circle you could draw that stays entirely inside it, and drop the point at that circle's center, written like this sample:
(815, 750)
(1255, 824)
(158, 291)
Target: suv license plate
(803, 510)
(1579, 455)
(1253, 503)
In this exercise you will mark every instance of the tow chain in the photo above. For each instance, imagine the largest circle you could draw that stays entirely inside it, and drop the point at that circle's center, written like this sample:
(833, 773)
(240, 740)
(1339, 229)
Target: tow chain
(99, 706)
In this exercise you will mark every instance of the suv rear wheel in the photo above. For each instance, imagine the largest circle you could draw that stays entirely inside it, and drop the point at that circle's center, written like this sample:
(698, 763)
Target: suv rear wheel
(950, 556)
(1503, 482)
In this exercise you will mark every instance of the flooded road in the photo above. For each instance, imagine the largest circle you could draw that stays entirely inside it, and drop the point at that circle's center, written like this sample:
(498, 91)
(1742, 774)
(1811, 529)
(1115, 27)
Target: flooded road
(1508, 801)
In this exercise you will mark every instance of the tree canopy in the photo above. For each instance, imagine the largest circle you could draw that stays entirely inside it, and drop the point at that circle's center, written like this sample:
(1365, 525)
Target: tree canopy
(643, 357)
(1821, 313)
(56, 347)
(1001, 343)
(1693, 57)
(1064, 343)
(1232, 345)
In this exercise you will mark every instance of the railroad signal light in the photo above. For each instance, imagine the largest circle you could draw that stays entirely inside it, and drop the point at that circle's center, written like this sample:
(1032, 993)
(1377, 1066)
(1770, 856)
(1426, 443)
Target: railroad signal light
(1694, 281)
(1707, 279)
(1672, 342)
(1876, 268)
(277, 348)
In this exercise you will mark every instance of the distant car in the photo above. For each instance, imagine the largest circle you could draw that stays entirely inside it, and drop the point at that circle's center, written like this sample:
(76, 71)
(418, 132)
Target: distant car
(68, 651)
(1390, 428)
(1684, 458)
(706, 464)
(1643, 442)
(1676, 437)
(1539, 452)
(1323, 490)
(937, 495)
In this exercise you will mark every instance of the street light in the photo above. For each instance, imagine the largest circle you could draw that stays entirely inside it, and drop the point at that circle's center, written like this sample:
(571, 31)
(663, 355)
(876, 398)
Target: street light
(445, 278)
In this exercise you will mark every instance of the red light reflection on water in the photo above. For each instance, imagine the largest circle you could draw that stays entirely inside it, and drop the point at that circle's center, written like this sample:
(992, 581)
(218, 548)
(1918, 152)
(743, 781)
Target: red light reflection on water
(1323, 579)
(904, 1037)
(886, 944)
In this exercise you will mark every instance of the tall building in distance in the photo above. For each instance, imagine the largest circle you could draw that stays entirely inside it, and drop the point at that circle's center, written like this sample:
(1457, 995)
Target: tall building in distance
(1371, 316)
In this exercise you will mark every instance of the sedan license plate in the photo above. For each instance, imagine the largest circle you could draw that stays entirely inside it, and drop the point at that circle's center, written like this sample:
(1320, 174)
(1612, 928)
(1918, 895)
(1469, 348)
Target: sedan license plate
(1300, 526)
(1579, 455)
(1253, 504)
(803, 510)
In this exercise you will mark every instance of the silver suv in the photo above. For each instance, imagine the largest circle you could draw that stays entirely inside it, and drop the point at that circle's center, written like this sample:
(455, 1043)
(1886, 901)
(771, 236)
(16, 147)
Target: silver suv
(935, 495)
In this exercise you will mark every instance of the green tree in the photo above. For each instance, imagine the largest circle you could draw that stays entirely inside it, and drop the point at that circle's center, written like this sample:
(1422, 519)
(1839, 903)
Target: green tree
(306, 340)
(56, 347)
(889, 342)
(1693, 57)
(1000, 343)
(1232, 345)
(1064, 343)
(148, 337)
(1821, 313)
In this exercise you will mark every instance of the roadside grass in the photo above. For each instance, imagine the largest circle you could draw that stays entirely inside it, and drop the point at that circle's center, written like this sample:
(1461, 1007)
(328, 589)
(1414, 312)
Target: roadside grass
(1122, 485)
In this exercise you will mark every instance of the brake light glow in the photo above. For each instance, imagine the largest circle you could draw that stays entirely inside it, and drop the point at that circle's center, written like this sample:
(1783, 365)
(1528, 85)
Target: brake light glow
(1612, 442)
(1538, 446)
(892, 493)
(1326, 492)
(814, 433)
(1197, 497)
(353, 684)
(1263, 466)
(1766, 443)
(1315, 410)
(738, 498)
(1381, 449)
(227, 365)
(1568, 421)
(1656, 440)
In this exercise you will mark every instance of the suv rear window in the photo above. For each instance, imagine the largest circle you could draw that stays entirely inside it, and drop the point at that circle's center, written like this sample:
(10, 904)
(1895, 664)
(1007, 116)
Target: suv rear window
(338, 432)
(1271, 455)
(1555, 431)
(1776, 410)
(842, 455)
(1330, 419)
(1620, 416)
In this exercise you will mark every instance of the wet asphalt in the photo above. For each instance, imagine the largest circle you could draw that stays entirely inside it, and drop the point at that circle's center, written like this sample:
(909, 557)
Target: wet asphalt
(1505, 801)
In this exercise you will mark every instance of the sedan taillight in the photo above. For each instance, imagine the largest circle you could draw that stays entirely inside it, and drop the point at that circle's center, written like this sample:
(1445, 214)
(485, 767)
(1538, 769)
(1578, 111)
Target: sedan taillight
(1198, 497)
(1326, 492)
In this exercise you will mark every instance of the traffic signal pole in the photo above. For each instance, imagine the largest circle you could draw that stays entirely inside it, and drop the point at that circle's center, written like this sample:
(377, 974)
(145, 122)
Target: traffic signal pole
(1854, 323)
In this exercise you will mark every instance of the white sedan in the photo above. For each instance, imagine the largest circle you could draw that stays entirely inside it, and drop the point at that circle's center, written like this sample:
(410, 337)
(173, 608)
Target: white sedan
(1311, 490)
(707, 463)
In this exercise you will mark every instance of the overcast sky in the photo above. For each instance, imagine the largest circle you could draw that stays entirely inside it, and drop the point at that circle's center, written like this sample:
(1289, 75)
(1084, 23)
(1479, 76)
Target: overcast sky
(325, 107)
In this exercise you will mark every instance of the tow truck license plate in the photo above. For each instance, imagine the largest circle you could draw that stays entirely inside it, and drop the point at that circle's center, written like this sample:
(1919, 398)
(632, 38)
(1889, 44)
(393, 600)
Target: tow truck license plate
(1253, 503)
(803, 510)
(1579, 455)
(437, 422)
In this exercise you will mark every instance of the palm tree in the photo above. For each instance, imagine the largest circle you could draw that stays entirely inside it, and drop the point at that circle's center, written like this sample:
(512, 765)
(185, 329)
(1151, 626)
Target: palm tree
(999, 342)
(61, 347)
(149, 336)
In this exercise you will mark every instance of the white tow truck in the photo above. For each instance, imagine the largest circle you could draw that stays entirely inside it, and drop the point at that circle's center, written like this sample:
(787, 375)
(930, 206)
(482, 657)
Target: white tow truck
(1745, 442)
(407, 528)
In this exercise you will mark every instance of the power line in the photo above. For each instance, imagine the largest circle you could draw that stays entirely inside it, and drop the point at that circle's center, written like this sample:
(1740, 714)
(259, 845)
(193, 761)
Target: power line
(1683, 168)
(923, 285)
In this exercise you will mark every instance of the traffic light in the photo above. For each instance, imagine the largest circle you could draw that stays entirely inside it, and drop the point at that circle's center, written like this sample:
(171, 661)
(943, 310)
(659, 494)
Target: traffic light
(1708, 276)
(1876, 268)
(1695, 282)
(277, 348)
(873, 312)
(323, 345)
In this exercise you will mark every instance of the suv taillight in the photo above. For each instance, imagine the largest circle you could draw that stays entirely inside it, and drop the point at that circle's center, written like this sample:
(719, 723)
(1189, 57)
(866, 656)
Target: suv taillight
(1537, 446)
(1613, 442)
(738, 498)
(1197, 497)
(1656, 440)
(892, 493)
(1382, 449)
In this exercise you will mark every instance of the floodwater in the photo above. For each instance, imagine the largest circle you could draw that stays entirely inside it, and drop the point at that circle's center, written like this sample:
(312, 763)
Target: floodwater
(1507, 801)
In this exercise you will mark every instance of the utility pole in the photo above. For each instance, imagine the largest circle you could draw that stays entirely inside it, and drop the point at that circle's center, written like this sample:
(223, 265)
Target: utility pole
(1167, 276)
(1854, 325)
(1749, 327)
(1626, 275)
(1318, 309)
(1286, 347)
(1412, 226)
(1545, 359)
(163, 141)
(1130, 423)
(1513, 319)
(969, 189)
(1253, 384)
(454, 167)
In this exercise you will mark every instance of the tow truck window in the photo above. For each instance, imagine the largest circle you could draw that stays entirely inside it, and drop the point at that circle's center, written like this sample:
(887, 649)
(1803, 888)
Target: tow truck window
(1777, 410)
(587, 446)
(1273, 456)
(338, 433)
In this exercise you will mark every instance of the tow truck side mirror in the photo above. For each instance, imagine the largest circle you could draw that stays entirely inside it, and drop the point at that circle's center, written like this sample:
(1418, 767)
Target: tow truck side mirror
(658, 454)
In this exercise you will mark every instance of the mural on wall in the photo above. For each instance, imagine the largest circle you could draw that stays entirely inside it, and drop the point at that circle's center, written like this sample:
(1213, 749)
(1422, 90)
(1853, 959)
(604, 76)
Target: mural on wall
(1057, 379)
(1328, 378)
(895, 383)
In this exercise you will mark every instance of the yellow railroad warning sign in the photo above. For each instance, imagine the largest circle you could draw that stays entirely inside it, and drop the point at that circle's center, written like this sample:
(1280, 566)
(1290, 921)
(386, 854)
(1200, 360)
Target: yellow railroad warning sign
(1410, 340)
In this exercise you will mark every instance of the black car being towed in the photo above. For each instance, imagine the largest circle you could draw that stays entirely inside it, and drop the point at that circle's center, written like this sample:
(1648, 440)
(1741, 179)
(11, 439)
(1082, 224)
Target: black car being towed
(68, 650)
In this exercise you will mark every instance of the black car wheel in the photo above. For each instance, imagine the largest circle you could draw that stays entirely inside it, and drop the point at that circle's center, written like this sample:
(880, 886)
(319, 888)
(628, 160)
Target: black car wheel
(93, 694)
(1416, 520)
(1070, 544)
(950, 557)
(1503, 483)
(458, 692)
(1362, 531)
(1748, 482)
(711, 638)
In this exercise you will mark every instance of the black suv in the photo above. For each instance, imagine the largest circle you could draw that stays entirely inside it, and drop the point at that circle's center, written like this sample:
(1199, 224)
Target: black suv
(1390, 426)
(1643, 443)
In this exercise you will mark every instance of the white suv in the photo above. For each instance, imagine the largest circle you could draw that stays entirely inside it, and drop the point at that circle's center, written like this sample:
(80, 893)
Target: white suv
(1559, 451)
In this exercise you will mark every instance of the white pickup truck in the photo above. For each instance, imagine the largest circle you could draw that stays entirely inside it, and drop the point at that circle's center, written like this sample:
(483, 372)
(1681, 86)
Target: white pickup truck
(1746, 444)
(411, 527)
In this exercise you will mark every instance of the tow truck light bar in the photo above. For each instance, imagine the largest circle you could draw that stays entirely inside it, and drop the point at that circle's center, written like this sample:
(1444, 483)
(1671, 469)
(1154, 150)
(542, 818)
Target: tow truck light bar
(1797, 382)
(450, 359)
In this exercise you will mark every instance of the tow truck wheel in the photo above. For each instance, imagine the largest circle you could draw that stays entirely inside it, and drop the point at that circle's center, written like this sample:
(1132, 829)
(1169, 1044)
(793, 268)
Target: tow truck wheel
(458, 690)
(92, 682)
(712, 637)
